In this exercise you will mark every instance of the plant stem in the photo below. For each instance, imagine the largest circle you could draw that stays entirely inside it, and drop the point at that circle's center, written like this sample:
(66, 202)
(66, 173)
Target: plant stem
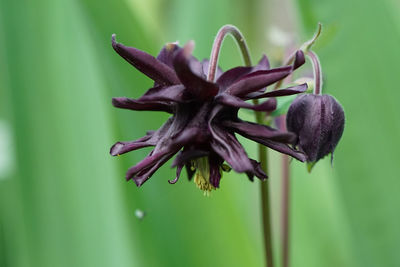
(317, 72)
(262, 151)
(265, 208)
(285, 210)
(241, 42)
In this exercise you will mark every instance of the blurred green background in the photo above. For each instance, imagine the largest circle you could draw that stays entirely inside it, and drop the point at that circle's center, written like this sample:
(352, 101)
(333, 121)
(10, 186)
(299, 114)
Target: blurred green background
(64, 201)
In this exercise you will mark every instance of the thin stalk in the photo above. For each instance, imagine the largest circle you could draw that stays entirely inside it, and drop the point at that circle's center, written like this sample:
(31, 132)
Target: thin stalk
(262, 151)
(241, 42)
(317, 72)
(285, 210)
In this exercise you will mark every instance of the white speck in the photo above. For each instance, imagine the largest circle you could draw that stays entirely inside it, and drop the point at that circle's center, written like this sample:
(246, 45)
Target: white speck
(139, 214)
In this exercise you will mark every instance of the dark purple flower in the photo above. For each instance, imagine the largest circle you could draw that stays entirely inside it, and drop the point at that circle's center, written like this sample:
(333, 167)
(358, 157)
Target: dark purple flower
(318, 121)
(201, 130)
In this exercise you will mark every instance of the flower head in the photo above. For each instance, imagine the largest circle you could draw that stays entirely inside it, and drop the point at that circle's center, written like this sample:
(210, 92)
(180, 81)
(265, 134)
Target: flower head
(201, 130)
(318, 121)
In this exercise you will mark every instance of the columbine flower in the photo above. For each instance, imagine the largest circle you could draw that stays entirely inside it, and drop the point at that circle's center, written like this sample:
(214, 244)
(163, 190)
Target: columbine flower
(204, 117)
(318, 120)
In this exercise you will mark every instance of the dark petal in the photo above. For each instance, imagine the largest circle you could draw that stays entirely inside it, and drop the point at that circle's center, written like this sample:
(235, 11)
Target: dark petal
(319, 122)
(195, 84)
(338, 121)
(257, 80)
(150, 139)
(186, 155)
(233, 101)
(257, 171)
(178, 174)
(298, 89)
(332, 125)
(133, 104)
(142, 171)
(189, 171)
(263, 64)
(167, 52)
(184, 159)
(120, 148)
(280, 147)
(174, 93)
(215, 175)
(304, 118)
(149, 65)
(167, 147)
(231, 76)
(228, 147)
(249, 129)
(215, 163)
(299, 59)
(206, 64)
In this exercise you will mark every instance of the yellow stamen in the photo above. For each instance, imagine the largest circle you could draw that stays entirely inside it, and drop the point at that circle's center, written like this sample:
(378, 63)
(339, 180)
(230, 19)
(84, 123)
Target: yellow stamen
(202, 175)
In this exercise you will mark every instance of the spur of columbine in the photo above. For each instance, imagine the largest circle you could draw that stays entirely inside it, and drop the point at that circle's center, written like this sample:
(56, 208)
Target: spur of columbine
(201, 130)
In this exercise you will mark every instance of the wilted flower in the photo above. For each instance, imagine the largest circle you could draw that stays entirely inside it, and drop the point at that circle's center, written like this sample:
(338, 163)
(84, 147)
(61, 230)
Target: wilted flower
(318, 121)
(204, 114)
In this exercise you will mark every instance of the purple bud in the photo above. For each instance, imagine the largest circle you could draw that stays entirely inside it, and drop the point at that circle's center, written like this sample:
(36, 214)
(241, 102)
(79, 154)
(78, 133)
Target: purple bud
(318, 121)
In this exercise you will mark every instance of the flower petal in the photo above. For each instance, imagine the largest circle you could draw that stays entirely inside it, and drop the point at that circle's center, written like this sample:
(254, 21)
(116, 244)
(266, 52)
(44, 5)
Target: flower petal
(186, 155)
(263, 64)
(234, 74)
(231, 76)
(298, 89)
(215, 162)
(248, 129)
(178, 174)
(150, 139)
(233, 101)
(280, 147)
(257, 171)
(174, 93)
(120, 148)
(142, 171)
(149, 65)
(257, 80)
(133, 104)
(195, 84)
(228, 147)
(166, 147)
(166, 54)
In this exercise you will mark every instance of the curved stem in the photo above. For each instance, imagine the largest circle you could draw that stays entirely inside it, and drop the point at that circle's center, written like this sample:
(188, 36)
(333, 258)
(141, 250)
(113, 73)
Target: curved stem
(241, 42)
(262, 151)
(317, 72)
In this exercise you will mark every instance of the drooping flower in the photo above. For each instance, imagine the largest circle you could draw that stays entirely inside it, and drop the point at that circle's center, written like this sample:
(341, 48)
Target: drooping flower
(201, 130)
(318, 121)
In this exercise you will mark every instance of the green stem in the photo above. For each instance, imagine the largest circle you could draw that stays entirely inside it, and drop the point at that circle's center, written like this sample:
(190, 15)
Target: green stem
(262, 151)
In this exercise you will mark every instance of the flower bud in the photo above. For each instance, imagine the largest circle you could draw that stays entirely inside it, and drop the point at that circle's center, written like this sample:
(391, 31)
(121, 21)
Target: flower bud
(318, 121)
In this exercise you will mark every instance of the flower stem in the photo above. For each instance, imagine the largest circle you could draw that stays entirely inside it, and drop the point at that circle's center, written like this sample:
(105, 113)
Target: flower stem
(285, 210)
(241, 42)
(317, 72)
(285, 199)
(262, 151)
